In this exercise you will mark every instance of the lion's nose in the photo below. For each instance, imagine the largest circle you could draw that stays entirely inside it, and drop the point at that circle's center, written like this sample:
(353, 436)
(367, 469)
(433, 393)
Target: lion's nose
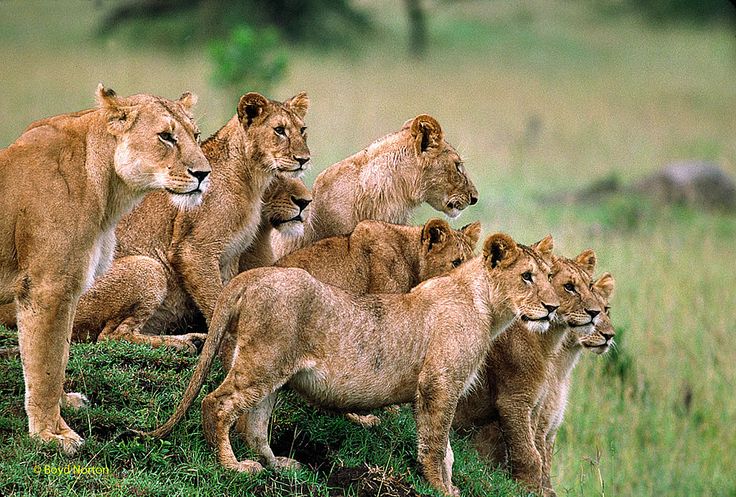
(301, 202)
(473, 200)
(200, 175)
(301, 160)
(592, 313)
(550, 308)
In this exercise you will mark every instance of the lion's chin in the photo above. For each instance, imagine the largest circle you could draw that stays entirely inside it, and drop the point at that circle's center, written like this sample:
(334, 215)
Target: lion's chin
(186, 201)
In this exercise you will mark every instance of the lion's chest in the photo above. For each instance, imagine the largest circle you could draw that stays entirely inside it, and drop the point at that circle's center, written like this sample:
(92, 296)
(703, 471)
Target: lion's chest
(100, 259)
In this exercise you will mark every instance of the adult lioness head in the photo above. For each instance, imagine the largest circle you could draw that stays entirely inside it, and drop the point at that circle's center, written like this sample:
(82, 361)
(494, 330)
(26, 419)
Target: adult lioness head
(156, 144)
(276, 131)
(600, 340)
(524, 277)
(579, 308)
(286, 204)
(446, 185)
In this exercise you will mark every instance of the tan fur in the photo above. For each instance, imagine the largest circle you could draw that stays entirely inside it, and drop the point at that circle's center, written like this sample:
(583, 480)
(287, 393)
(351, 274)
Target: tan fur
(285, 206)
(559, 376)
(171, 263)
(515, 374)
(379, 257)
(64, 184)
(387, 180)
(349, 352)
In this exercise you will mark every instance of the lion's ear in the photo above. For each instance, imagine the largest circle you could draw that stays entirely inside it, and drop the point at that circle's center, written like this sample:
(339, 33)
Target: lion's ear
(545, 246)
(298, 104)
(188, 100)
(251, 106)
(500, 250)
(587, 261)
(605, 285)
(435, 231)
(119, 116)
(471, 232)
(427, 133)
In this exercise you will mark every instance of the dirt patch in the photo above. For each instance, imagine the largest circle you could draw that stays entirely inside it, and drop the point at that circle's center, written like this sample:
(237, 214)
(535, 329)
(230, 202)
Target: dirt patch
(300, 447)
(368, 481)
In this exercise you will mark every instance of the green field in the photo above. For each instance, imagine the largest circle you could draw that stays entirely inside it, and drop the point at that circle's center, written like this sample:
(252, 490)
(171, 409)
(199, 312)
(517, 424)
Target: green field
(541, 97)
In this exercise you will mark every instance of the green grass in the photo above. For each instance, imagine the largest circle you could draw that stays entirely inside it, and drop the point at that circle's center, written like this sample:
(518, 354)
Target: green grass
(541, 97)
(132, 386)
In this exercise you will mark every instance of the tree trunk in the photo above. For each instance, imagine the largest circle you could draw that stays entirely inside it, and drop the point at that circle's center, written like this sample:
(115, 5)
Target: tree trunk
(417, 28)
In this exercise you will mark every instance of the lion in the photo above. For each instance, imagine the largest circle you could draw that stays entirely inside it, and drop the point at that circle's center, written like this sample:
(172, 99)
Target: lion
(516, 368)
(285, 206)
(171, 264)
(357, 352)
(559, 376)
(379, 257)
(64, 185)
(387, 180)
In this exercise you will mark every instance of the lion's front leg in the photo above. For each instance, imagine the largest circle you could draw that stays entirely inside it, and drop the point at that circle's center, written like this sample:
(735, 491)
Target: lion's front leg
(45, 311)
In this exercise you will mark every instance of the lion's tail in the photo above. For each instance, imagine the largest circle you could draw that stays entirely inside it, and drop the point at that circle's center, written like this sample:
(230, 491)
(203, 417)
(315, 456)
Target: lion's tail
(226, 311)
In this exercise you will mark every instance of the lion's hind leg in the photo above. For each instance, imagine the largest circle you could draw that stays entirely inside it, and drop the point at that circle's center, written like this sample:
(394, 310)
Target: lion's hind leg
(220, 409)
(123, 300)
(253, 427)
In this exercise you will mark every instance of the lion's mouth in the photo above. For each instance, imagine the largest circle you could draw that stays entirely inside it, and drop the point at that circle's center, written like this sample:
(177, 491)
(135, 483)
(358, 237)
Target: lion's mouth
(579, 325)
(278, 222)
(193, 191)
(531, 319)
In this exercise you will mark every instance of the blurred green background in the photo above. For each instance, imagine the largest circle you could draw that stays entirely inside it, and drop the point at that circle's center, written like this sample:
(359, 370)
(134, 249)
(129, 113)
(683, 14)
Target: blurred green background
(543, 98)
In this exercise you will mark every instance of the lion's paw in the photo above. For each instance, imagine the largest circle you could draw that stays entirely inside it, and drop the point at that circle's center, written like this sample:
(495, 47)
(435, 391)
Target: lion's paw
(366, 421)
(247, 466)
(287, 463)
(68, 440)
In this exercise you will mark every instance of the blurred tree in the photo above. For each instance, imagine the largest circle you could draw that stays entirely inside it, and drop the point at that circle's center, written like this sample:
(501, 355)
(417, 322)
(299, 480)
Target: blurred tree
(695, 10)
(320, 21)
(676, 10)
(250, 59)
(417, 28)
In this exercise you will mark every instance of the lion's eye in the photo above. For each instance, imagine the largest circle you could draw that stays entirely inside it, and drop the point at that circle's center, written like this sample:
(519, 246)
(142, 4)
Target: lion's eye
(280, 130)
(607, 310)
(196, 136)
(167, 138)
(527, 276)
(303, 130)
(457, 262)
(569, 287)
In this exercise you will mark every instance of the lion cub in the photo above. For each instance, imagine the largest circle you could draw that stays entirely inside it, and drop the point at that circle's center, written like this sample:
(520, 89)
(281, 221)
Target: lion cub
(348, 352)
(387, 180)
(516, 370)
(379, 257)
(551, 412)
(285, 206)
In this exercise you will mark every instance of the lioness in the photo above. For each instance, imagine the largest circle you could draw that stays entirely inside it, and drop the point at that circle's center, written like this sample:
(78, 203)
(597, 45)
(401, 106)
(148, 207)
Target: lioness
(559, 376)
(285, 206)
(170, 263)
(350, 352)
(387, 180)
(516, 367)
(64, 184)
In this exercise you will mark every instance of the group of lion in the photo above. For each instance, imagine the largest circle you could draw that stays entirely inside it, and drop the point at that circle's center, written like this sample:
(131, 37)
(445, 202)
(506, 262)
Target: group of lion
(118, 223)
